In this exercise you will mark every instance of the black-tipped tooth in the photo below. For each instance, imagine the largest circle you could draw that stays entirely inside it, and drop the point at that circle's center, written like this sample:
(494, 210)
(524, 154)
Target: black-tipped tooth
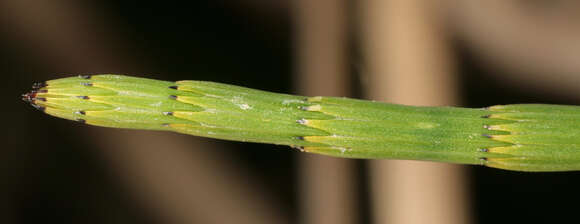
(302, 121)
(300, 148)
(38, 85)
(85, 76)
(84, 97)
(41, 108)
(173, 87)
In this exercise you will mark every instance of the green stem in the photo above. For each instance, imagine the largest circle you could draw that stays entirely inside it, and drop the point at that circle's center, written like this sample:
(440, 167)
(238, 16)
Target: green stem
(527, 137)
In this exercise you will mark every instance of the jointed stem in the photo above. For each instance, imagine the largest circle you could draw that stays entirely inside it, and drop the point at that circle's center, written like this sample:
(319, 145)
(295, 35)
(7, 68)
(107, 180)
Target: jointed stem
(532, 137)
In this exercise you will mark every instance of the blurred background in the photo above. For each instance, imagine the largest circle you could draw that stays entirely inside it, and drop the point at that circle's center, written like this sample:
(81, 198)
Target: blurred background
(449, 52)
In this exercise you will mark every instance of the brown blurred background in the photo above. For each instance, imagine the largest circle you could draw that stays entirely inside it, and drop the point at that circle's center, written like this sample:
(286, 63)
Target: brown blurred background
(462, 53)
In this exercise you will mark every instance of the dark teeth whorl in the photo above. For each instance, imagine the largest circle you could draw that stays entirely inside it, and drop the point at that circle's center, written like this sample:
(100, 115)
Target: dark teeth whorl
(29, 97)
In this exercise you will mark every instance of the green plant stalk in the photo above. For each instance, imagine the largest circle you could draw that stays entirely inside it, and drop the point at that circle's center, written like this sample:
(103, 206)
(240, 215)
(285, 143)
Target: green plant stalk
(524, 137)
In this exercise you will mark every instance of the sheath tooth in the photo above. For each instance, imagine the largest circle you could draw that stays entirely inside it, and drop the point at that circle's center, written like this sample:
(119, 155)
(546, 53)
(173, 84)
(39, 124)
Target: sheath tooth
(302, 121)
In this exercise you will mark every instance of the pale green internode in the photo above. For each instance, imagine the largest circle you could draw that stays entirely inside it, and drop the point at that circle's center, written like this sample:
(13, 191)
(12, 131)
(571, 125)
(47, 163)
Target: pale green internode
(525, 137)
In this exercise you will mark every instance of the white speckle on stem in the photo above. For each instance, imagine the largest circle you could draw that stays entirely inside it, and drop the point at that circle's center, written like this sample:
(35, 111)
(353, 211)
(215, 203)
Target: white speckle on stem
(245, 106)
(211, 110)
(239, 101)
(342, 149)
(286, 102)
(214, 96)
(207, 125)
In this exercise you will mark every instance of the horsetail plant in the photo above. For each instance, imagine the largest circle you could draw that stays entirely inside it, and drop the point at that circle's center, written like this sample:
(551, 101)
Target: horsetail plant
(522, 137)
